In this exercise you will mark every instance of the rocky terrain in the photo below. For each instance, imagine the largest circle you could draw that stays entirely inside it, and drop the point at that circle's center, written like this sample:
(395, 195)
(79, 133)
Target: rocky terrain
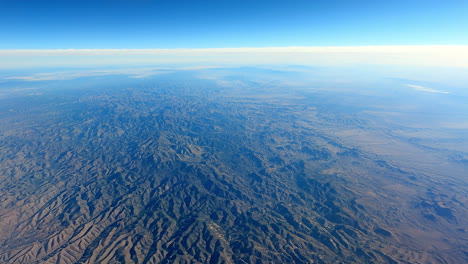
(178, 169)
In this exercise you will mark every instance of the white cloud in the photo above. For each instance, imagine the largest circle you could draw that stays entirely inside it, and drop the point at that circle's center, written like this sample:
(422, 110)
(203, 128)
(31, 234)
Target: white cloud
(132, 73)
(442, 55)
(67, 75)
(425, 89)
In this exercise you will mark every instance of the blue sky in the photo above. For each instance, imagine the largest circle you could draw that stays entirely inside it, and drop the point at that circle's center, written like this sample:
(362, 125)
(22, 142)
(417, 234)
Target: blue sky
(136, 24)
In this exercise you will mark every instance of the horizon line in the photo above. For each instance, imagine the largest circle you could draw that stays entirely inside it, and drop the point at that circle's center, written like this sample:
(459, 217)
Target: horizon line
(422, 55)
(273, 49)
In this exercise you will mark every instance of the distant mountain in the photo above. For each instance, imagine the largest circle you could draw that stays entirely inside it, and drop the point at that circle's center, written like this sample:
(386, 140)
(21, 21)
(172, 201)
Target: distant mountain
(179, 169)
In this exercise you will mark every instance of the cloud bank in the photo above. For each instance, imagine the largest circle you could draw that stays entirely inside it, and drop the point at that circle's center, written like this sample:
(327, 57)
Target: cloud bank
(425, 89)
(441, 55)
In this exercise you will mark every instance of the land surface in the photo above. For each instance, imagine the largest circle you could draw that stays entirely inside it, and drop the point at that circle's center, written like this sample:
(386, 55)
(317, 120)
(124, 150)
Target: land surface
(215, 166)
